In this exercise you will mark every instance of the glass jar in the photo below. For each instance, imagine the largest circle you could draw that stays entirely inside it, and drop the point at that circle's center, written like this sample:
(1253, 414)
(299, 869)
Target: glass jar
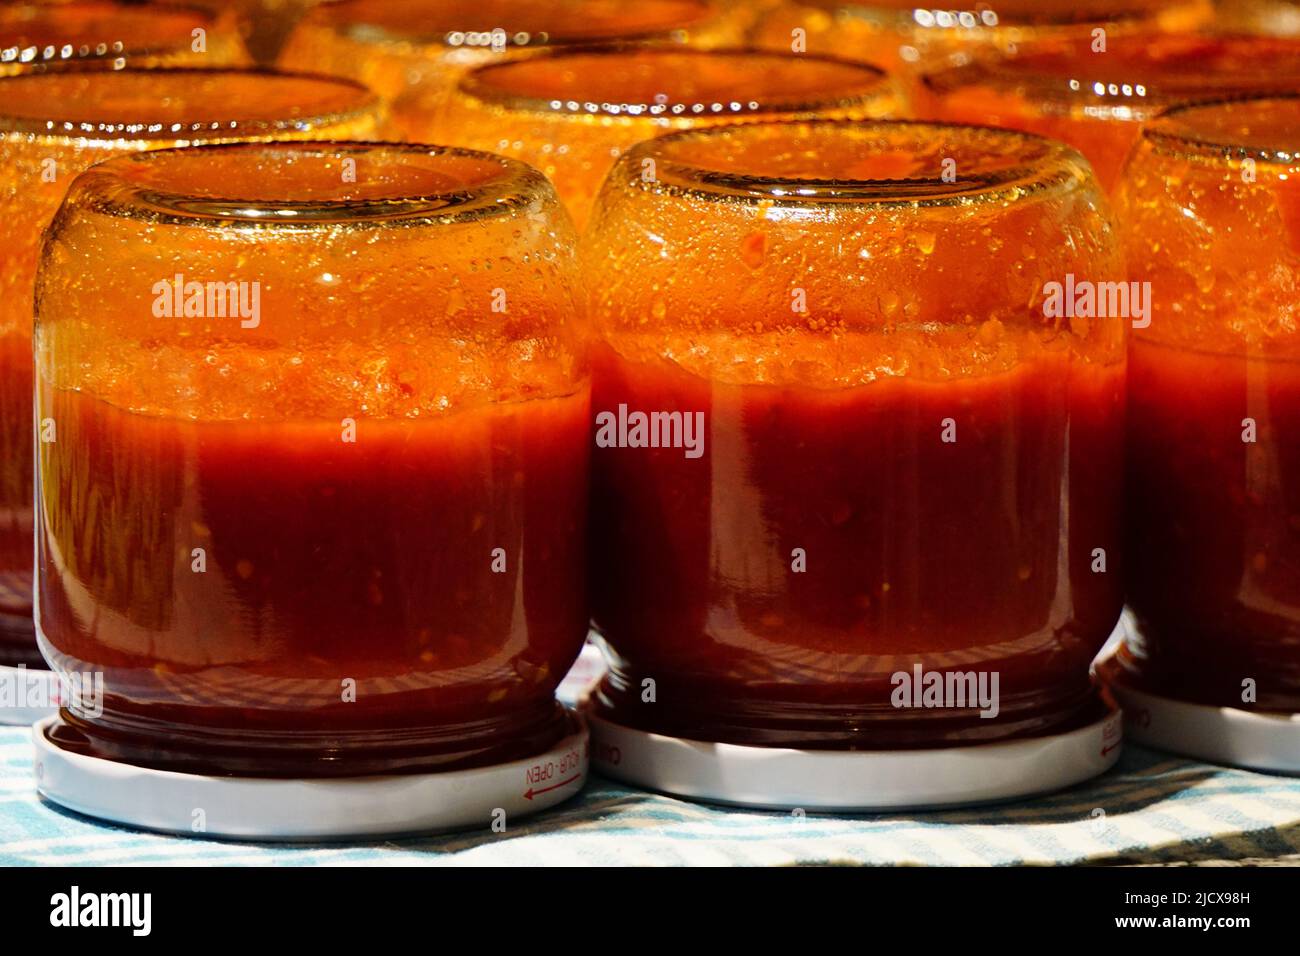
(413, 51)
(903, 36)
(162, 34)
(1097, 101)
(841, 446)
(55, 124)
(336, 527)
(1211, 211)
(570, 114)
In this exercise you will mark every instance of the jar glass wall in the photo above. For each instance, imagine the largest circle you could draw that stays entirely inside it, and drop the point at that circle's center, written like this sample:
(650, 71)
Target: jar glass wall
(1098, 101)
(570, 114)
(339, 529)
(413, 51)
(55, 124)
(867, 453)
(1210, 203)
(162, 34)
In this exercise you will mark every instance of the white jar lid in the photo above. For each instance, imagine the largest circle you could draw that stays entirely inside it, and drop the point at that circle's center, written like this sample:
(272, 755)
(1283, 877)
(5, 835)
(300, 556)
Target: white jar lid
(854, 781)
(1256, 740)
(319, 809)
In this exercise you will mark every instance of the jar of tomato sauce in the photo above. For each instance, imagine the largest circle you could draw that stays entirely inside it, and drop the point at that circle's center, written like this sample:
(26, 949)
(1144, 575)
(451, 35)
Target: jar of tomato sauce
(1212, 223)
(312, 470)
(849, 451)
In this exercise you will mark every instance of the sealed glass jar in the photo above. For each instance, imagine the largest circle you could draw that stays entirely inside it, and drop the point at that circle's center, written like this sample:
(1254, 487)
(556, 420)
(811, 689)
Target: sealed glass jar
(851, 447)
(571, 113)
(413, 51)
(313, 480)
(902, 35)
(1212, 217)
(1097, 99)
(52, 126)
(164, 34)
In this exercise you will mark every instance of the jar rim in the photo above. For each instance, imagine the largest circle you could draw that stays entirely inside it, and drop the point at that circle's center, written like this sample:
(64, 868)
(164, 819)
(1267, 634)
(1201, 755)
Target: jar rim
(1047, 165)
(132, 186)
(1029, 72)
(1030, 14)
(876, 82)
(170, 132)
(378, 30)
(14, 45)
(1172, 130)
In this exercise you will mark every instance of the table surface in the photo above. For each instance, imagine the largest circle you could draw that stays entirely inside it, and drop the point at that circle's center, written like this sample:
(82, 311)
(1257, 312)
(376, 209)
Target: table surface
(1150, 809)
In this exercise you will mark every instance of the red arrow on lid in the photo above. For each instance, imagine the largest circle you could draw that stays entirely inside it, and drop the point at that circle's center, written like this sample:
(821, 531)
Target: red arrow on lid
(530, 793)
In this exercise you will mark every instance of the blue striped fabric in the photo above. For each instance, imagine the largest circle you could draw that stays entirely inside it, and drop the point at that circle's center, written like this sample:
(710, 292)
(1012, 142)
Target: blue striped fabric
(1149, 808)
